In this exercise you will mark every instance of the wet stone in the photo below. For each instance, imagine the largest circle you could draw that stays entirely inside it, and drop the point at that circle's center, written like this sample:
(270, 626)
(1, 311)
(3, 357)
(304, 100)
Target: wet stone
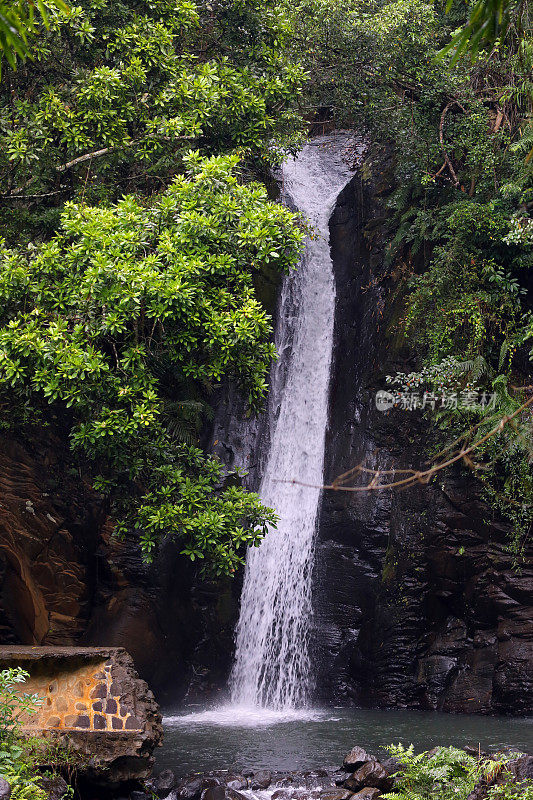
(261, 780)
(232, 794)
(190, 788)
(215, 793)
(356, 758)
(99, 691)
(208, 783)
(117, 724)
(55, 787)
(236, 782)
(370, 774)
(370, 793)
(165, 782)
(83, 722)
(70, 720)
(111, 707)
(99, 722)
(335, 794)
(133, 724)
(98, 706)
(5, 790)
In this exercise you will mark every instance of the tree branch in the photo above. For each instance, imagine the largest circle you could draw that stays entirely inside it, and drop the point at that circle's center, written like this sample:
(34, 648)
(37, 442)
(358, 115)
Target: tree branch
(441, 139)
(90, 156)
(413, 476)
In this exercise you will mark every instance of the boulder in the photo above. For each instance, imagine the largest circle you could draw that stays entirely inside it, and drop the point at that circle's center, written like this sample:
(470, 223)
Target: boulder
(335, 794)
(136, 795)
(356, 758)
(190, 788)
(5, 790)
(521, 768)
(56, 787)
(236, 782)
(214, 793)
(370, 774)
(391, 765)
(232, 794)
(261, 780)
(164, 783)
(210, 781)
(369, 793)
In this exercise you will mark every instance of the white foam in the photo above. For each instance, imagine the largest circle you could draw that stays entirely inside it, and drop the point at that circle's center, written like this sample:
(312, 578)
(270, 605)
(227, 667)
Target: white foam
(244, 717)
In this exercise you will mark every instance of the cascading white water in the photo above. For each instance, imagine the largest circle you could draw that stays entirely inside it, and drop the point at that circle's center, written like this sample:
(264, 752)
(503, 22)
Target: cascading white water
(271, 661)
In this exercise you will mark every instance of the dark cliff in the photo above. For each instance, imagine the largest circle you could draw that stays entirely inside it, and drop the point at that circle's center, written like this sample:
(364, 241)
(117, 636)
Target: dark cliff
(417, 601)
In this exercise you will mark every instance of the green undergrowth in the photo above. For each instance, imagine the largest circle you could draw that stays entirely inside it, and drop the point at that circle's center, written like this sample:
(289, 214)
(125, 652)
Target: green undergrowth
(447, 773)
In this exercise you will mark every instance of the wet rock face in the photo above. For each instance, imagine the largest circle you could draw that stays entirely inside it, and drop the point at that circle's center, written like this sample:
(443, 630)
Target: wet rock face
(416, 600)
(65, 580)
(48, 531)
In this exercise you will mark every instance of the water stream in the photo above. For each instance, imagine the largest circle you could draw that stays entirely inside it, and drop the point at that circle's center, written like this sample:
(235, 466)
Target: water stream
(271, 661)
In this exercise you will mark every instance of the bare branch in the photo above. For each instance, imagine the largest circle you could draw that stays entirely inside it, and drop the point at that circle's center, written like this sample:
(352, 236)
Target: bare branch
(414, 476)
(441, 139)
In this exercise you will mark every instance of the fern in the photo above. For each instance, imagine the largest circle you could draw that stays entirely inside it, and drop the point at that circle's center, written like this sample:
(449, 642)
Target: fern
(443, 774)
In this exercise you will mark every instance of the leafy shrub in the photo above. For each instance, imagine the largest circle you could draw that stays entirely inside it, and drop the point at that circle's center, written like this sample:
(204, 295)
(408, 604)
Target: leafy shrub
(426, 776)
(16, 765)
(512, 791)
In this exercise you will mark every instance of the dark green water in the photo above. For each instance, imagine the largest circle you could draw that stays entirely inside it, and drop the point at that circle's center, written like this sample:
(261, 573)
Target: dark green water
(236, 739)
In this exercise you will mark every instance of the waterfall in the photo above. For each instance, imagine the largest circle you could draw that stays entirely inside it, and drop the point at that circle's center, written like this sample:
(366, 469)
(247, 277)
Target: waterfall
(272, 666)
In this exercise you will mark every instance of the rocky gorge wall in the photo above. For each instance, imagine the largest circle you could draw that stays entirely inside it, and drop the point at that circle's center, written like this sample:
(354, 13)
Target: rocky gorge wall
(64, 580)
(417, 602)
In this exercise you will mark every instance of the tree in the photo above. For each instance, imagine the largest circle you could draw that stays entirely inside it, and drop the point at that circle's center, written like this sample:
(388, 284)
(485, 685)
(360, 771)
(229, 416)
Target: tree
(17, 21)
(133, 238)
(103, 324)
(118, 92)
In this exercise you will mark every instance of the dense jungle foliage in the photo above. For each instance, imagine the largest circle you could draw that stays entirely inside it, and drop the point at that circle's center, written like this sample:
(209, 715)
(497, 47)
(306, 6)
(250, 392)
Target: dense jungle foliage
(133, 139)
